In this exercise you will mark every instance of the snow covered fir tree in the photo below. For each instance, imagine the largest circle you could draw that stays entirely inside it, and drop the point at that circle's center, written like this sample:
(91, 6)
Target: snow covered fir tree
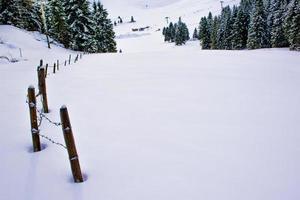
(253, 24)
(74, 23)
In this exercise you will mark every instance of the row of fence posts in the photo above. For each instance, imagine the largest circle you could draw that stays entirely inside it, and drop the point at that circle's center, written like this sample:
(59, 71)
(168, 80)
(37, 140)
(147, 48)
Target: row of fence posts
(64, 117)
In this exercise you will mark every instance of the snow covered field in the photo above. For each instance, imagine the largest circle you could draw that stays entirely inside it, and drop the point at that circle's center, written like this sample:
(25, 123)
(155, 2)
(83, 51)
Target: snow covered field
(155, 122)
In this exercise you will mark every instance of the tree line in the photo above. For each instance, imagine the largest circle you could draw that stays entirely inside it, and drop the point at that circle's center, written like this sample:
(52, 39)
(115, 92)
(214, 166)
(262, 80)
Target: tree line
(73, 23)
(253, 24)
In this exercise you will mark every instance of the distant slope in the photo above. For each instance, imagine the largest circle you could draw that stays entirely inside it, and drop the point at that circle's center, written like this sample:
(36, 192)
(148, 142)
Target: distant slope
(153, 13)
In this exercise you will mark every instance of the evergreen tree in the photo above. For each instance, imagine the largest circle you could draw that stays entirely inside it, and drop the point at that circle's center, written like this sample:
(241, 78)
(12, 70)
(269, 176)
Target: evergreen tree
(20, 13)
(164, 31)
(181, 33)
(224, 31)
(294, 31)
(172, 32)
(195, 34)
(185, 32)
(104, 33)
(278, 38)
(204, 34)
(81, 26)
(240, 31)
(247, 6)
(228, 34)
(58, 27)
(257, 37)
(214, 33)
(209, 22)
(167, 34)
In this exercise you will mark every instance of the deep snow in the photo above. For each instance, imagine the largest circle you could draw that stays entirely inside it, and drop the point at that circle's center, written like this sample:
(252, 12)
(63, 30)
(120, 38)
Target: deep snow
(155, 122)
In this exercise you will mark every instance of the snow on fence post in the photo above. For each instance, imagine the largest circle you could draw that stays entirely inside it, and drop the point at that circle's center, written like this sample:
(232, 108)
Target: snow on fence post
(33, 119)
(70, 144)
(42, 88)
(46, 71)
(57, 65)
(54, 68)
(70, 59)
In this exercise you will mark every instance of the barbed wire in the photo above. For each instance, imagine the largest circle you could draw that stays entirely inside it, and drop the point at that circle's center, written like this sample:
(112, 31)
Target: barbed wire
(34, 131)
(42, 115)
(40, 120)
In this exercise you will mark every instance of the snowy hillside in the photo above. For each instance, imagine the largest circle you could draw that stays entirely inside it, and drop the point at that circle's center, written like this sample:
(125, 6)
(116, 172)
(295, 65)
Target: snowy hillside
(156, 122)
(22, 45)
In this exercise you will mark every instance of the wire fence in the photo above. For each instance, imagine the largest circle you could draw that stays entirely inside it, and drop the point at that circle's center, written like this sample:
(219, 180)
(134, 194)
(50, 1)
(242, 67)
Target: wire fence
(42, 116)
(39, 115)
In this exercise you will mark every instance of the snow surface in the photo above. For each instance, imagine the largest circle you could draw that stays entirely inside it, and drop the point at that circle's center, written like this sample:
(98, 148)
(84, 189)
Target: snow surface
(155, 122)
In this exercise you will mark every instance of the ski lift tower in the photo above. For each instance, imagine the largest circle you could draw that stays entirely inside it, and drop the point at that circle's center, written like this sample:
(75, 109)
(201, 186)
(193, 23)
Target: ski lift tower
(222, 2)
(167, 19)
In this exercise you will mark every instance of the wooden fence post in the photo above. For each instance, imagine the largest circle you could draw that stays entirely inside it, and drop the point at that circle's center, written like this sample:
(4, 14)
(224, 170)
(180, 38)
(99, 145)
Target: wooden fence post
(33, 119)
(41, 62)
(65, 63)
(46, 71)
(57, 65)
(70, 144)
(42, 88)
(69, 59)
(54, 68)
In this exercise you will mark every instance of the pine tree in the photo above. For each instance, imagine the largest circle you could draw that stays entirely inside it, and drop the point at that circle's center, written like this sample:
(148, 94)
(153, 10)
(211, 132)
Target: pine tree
(209, 22)
(164, 31)
(223, 31)
(172, 32)
(214, 33)
(278, 38)
(257, 37)
(20, 13)
(204, 34)
(104, 34)
(58, 28)
(167, 35)
(185, 32)
(181, 33)
(240, 31)
(195, 34)
(294, 31)
(81, 26)
(228, 34)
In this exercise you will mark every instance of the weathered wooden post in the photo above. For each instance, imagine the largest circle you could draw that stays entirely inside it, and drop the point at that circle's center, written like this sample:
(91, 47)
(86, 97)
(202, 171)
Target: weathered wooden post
(41, 62)
(70, 144)
(33, 119)
(54, 68)
(75, 60)
(57, 65)
(46, 71)
(69, 59)
(42, 88)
